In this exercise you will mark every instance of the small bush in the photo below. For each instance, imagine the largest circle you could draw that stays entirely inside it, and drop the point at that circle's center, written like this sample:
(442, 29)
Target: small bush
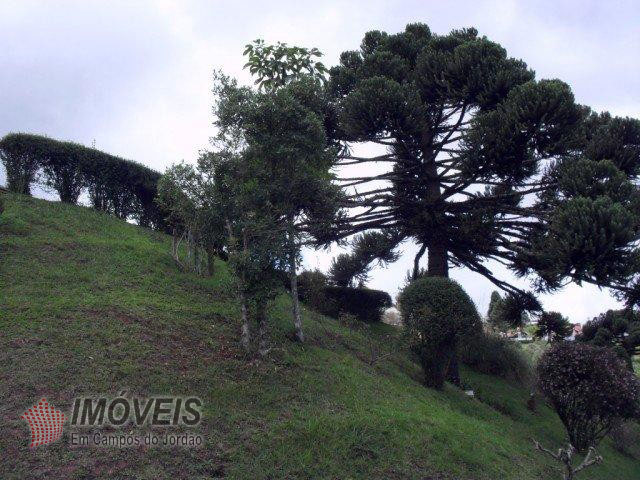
(436, 312)
(590, 389)
(365, 304)
(494, 355)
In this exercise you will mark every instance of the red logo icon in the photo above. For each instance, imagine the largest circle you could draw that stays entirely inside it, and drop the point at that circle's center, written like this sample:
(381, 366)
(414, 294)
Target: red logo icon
(45, 423)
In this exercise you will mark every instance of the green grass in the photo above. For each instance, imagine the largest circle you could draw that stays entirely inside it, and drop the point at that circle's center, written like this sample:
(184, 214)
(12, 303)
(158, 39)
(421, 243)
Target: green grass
(90, 304)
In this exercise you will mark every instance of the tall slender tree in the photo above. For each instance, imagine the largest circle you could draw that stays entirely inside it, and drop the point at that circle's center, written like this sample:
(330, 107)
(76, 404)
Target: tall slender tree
(286, 128)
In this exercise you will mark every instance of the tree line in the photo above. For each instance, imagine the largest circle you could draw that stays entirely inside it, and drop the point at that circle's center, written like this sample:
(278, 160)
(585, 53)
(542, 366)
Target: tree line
(114, 185)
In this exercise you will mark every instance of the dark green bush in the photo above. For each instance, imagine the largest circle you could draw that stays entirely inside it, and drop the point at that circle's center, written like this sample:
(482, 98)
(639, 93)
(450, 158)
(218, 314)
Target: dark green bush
(494, 355)
(616, 329)
(365, 304)
(61, 163)
(20, 160)
(311, 285)
(436, 312)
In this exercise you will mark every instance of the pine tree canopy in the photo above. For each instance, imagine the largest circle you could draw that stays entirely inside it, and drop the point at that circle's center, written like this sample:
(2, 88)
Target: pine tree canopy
(485, 162)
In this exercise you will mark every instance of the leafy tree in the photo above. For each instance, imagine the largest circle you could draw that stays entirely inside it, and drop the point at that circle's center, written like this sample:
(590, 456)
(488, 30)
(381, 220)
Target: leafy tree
(230, 197)
(617, 329)
(273, 184)
(188, 197)
(61, 163)
(256, 243)
(553, 326)
(345, 269)
(276, 65)
(477, 153)
(436, 312)
(286, 130)
(591, 390)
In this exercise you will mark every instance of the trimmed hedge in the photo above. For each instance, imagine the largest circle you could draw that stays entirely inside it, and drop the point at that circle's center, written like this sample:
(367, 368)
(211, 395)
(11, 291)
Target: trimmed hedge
(117, 186)
(21, 162)
(366, 304)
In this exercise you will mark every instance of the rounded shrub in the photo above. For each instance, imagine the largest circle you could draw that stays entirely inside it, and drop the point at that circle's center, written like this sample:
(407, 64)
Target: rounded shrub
(590, 389)
(436, 312)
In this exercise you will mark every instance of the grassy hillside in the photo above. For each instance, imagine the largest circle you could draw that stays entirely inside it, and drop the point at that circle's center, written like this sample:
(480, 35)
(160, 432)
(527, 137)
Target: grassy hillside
(90, 304)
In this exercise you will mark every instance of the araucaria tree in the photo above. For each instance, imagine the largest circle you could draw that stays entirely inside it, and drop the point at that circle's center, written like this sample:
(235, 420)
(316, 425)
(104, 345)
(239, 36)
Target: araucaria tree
(484, 162)
(553, 326)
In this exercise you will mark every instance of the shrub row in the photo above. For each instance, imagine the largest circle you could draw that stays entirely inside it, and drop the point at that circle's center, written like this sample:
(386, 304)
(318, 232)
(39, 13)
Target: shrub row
(366, 304)
(114, 185)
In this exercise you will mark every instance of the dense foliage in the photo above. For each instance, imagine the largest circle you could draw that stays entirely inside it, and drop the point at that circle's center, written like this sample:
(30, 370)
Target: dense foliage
(362, 304)
(120, 187)
(484, 162)
(436, 312)
(311, 286)
(590, 389)
(617, 329)
(19, 161)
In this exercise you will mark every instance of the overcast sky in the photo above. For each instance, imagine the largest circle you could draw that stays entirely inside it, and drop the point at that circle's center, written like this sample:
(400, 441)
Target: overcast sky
(135, 76)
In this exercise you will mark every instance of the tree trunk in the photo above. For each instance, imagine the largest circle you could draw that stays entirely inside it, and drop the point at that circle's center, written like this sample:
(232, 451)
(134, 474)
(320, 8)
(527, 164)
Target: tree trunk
(261, 318)
(439, 267)
(434, 364)
(453, 372)
(245, 336)
(211, 261)
(295, 302)
(174, 244)
(438, 263)
(297, 320)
